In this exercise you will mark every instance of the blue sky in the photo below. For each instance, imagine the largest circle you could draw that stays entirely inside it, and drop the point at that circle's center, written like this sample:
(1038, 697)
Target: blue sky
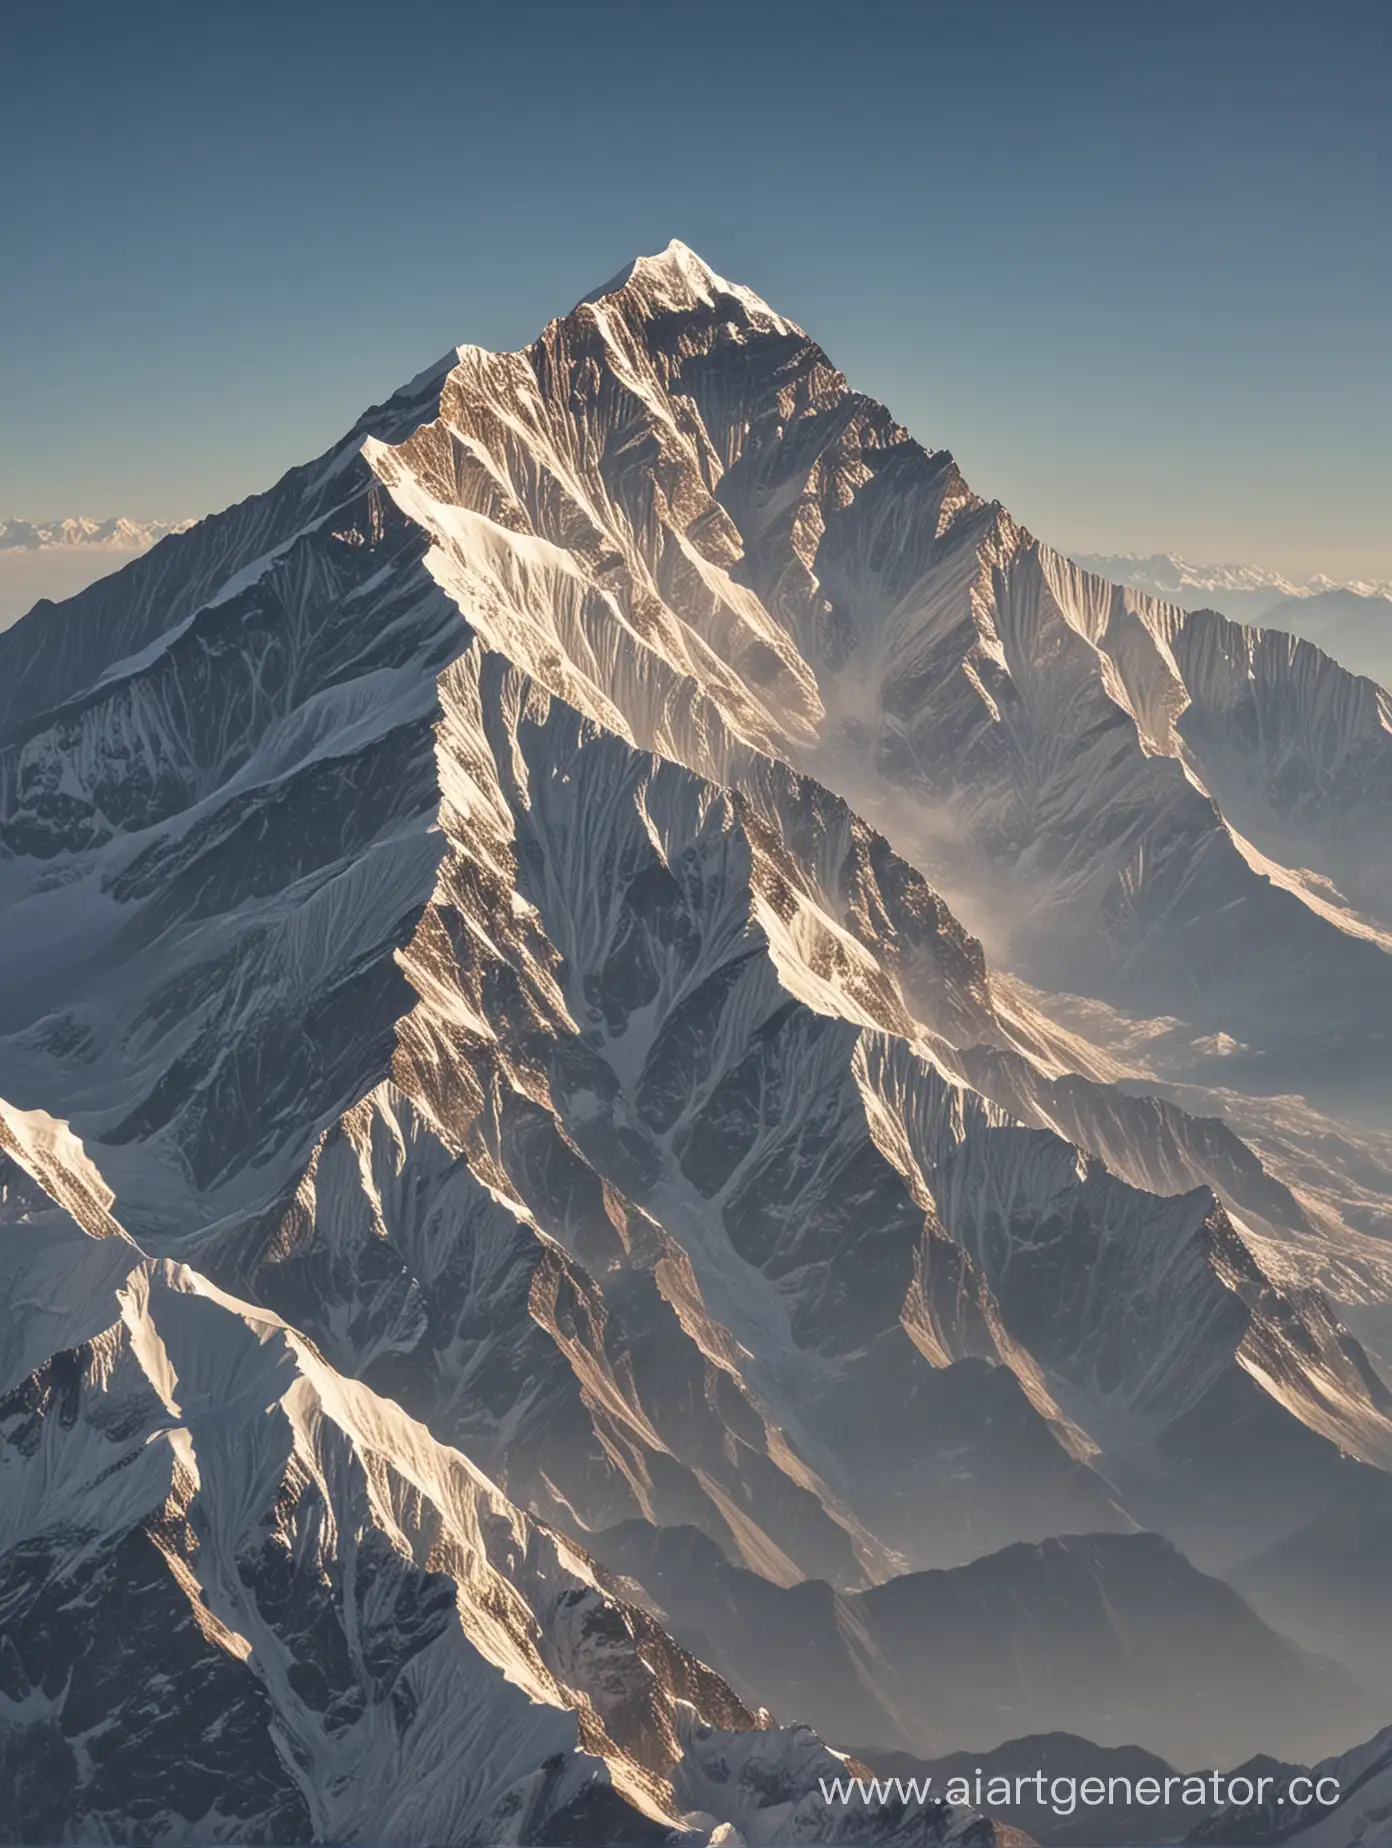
(1132, 262)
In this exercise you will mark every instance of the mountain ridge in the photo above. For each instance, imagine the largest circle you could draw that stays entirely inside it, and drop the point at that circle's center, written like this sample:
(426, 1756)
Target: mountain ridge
(1162, 572)
(504, 902)
(117, 534)
(1125, 1612)
(429, 1662)
(1351, 621)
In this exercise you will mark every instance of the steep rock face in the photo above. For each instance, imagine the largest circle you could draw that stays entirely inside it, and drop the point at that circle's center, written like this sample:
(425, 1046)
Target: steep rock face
(1297, 752)
(239, 823)
(588, 1392)
(636, 992)
(643, 1043)
(724, 1006)
(244, 1598)
(1162, 1335)
(796, 1138)
(475, 903)
(1011, 717)
(1350, 621)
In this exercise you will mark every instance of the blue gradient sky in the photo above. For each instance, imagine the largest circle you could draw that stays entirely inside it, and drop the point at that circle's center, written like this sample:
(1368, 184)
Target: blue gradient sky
(1131, 261)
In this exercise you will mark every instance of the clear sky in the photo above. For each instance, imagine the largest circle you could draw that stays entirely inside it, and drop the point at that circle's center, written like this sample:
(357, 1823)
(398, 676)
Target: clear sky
(1131, 261)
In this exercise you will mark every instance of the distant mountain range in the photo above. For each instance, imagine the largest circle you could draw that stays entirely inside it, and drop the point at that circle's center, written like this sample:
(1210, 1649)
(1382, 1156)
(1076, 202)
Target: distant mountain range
(1111, 1636)
(78, 530)
(57, 558)
(674, 1103)
(1250, 590)
(1351, 621)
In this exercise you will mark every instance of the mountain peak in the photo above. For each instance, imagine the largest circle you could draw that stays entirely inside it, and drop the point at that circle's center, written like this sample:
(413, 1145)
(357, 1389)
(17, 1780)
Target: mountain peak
(677, 278)
(489, 907)
(676, 264)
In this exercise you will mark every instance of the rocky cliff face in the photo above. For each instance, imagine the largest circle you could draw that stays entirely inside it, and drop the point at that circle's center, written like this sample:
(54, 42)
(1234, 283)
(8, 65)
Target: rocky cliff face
(246, 1598)
(626, 922)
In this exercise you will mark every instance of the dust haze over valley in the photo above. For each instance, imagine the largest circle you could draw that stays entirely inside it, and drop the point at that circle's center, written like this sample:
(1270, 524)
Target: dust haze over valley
(674, 1103)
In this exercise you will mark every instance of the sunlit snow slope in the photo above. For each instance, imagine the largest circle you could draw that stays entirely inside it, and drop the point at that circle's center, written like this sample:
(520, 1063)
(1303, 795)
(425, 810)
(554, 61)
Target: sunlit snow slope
(244, 1598)
(669, 945)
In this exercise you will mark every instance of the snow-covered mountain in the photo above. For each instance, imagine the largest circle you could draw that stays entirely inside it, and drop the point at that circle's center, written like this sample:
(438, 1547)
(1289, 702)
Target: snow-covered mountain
(1251, 590)
(631, 931)
(114, 535)
(1351, 621)
(245, 1598)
